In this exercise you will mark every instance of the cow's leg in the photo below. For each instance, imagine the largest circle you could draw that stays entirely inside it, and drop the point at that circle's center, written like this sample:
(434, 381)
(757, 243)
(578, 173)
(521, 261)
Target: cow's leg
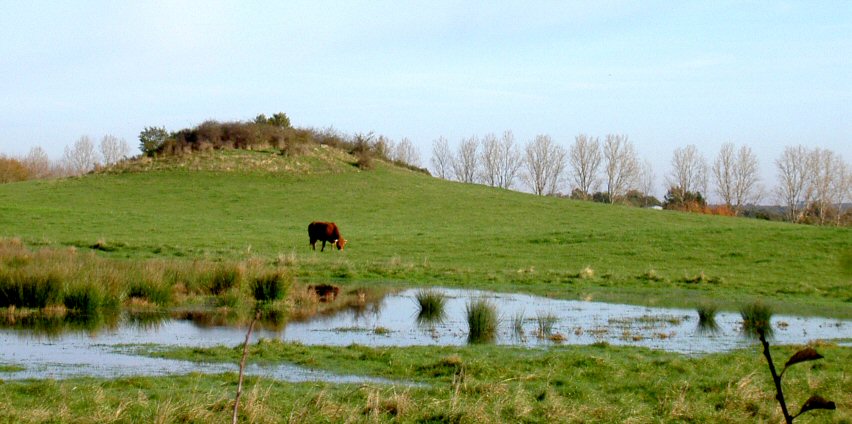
(323, 246)
(314, 244)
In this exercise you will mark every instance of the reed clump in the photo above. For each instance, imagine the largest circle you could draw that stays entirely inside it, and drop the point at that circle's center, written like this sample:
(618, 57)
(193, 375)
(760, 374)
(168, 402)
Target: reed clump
(756, 320)
(545, 321)
(271, 287)
(707, 318)
(29, 290)
(85, 300)
(431, 303)
(482, 321)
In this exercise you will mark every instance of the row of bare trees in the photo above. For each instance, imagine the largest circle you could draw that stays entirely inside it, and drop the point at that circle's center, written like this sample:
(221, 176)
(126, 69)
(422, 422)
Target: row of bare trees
(79, 158)
(543, 165)
(812, 183)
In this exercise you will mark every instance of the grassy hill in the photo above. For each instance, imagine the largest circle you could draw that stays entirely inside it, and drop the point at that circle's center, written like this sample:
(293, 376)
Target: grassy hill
(405, 227)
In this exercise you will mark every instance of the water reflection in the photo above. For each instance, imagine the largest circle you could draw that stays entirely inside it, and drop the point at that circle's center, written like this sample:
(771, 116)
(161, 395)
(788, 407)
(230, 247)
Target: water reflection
(49, 323)
(536, 321)
(54, 345)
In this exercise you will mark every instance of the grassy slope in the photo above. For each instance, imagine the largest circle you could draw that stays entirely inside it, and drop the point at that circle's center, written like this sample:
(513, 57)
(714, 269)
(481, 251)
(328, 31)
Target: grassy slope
(409, 227)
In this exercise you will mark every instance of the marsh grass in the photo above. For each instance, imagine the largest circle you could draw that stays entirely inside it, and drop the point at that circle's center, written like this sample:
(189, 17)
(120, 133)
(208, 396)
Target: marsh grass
(431, 305)
(84, 299)
(86, 282)
(270, 287)
(482, 321)
(156, 292)
(707, 318)
(226, 277)
(30, 290)
(756, 320)
(518, 326)
(545, 321)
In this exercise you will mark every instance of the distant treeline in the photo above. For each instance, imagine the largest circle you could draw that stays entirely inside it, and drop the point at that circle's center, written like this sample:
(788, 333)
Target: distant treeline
(812, 183)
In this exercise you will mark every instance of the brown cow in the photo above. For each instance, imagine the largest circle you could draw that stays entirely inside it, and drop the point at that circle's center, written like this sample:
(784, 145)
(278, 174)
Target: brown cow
(325, 232)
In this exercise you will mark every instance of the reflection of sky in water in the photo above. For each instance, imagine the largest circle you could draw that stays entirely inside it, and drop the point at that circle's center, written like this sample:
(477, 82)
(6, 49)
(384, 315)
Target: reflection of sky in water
(579, 322)
(99, 353)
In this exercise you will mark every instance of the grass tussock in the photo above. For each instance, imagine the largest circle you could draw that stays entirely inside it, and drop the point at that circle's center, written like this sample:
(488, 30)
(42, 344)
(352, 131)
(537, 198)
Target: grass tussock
(482, 321)
(431, 305)
(707, 318)
(545, 321)
(271, 287)
(756, 319)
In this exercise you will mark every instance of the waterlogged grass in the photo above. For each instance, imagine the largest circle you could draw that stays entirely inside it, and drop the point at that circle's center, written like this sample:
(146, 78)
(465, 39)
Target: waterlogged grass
(84, 283)
(470, 236)
(11, 368)
(545, 321)
(462, 384)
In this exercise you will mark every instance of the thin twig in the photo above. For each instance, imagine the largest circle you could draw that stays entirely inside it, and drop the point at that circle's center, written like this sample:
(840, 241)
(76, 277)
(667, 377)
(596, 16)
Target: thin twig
(242, 367)
(775, 378)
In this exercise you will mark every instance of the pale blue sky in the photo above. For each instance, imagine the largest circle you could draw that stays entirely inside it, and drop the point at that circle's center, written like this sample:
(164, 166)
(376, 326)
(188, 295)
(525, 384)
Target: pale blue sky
(667, 74)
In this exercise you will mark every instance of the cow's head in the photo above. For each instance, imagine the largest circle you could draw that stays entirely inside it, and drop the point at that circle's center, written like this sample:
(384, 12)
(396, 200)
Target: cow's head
(340, 243)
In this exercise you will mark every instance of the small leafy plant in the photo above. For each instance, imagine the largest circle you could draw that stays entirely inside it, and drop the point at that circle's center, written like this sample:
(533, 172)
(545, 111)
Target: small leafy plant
(756, 323)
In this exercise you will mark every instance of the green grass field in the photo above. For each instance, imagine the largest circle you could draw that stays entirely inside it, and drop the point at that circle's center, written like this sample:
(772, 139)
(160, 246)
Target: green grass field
(454, 384)
(404, 228)
(407, 228)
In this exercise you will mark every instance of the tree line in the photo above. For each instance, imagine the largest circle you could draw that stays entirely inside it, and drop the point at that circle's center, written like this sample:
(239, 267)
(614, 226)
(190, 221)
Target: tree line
(80, 157)
(813, 184)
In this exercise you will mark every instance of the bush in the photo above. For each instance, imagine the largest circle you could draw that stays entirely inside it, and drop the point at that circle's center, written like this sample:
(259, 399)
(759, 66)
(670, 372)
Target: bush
(151, 139)
(685, 201)
(12, 170)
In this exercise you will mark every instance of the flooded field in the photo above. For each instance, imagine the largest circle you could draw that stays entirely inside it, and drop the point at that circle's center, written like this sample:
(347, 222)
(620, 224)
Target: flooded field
(394, 321)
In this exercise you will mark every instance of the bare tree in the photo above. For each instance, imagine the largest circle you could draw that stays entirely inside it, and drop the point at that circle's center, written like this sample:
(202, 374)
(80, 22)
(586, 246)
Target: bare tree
(585, 160)
(384, 147)
(827, 183)
(736, 175)
(621, 165)
(689, 170)
(113, 149)
(442, 158)
(406, 152)
(81, 157)
(37, 163)
(647, 178)
(466, 161)
(490, 159)
(510, 161)
(793, 177)
(544, 161)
